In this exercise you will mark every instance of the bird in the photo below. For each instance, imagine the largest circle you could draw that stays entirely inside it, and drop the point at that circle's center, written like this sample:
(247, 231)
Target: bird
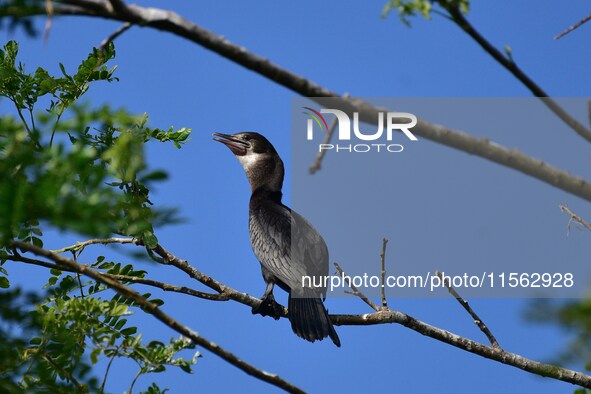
(284, 242)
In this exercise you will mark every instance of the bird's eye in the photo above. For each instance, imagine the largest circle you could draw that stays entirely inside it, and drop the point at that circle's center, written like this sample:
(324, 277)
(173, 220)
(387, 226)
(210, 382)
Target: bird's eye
(246, 137)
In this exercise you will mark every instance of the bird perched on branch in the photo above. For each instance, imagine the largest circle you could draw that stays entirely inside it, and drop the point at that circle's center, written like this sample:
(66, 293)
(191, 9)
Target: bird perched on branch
(286, 244)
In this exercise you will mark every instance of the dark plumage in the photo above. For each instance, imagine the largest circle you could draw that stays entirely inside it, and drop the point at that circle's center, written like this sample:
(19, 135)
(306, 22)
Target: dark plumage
(286, 244)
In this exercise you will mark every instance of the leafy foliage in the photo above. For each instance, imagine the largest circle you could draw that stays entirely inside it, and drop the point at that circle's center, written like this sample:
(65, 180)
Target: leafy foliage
(410, 8)
(83, 170)
(573, 315)
(67, 334)
(94, 182)
(27, 364)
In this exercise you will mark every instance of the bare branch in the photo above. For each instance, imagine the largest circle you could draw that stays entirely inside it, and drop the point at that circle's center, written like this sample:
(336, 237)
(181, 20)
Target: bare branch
(477, 320)
(315, 166)
(172, 22)
(575, 217)
(122, 29)
(383, 273)
(207, 280)
(356, 291)
(79, 246)
(573, 27)
(492, 353)
(510, 65)
(379, 317)
(48, 21)
(152, 309)
(169, 287)
(131, 279)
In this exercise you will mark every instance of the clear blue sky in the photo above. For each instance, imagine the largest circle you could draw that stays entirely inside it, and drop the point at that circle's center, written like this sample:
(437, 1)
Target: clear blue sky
(460, 200)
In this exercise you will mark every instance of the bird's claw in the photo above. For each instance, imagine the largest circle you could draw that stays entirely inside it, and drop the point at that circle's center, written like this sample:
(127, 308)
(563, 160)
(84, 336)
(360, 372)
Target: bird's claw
(268, 307)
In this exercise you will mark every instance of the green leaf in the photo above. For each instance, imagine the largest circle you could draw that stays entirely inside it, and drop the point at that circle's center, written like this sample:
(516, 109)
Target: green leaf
(4, 282)
(125, 157)
(129, 331)
(150, 240)
(54, 271)
(186, 367)
(94, 354)
(119, 310)
(157, 302)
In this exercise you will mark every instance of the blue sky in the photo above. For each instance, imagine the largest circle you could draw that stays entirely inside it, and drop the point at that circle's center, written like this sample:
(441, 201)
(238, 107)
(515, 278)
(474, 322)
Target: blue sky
(462, 206)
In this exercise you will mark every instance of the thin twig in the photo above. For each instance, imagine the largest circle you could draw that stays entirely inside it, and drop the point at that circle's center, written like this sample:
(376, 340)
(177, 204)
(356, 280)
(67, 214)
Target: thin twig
(48, 22)
(510, 65)
(130, 279)
(477, 320)
(169, 287)
(383, 274)
(573, 27)
(102, 388)
(122, 29)
(170, 259)
(30, 132)
(137, 375)
(356, 291)
(78, 276)
(79, 246)
(575, 217)
(69, 376)
(315, 166)
(153, 309)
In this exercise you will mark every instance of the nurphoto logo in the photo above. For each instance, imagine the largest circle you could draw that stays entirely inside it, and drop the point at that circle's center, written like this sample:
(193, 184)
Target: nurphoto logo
(402, 121)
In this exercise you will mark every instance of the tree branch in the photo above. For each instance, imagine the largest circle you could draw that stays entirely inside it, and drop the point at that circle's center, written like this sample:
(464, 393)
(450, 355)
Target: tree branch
(477, 320)
(356, 291)
(509, 64)
(171, 22)
(381, 316)
(575, 217)
(122, 29)
(79, 246)
(496, 354)
(573, 27)
(152, 309)
(383, 273)
(127, 278)
(315, 166)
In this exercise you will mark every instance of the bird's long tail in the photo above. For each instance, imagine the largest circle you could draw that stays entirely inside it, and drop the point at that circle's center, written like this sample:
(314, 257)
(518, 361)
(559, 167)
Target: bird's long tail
(309, 319)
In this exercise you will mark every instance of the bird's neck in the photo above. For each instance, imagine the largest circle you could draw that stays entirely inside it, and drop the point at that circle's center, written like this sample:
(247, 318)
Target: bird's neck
(265, 176)
(263, 195)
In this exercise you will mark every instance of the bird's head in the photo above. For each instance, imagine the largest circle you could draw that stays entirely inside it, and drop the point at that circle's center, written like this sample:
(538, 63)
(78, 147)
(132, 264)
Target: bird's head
(262, 164)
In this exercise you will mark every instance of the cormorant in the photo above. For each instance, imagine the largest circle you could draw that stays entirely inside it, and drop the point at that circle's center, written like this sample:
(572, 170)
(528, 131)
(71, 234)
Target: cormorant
(273, 226)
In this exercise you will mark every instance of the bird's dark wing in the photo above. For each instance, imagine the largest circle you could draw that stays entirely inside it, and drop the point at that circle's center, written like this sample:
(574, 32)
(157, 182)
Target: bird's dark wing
(307, 245)
(273, 227)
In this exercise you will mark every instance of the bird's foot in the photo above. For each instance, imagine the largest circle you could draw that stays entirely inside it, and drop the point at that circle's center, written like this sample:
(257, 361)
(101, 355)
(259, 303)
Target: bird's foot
(268, 307)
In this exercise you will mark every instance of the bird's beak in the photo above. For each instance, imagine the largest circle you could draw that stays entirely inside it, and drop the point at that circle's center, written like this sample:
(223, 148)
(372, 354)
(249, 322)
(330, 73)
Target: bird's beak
(236, 145)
